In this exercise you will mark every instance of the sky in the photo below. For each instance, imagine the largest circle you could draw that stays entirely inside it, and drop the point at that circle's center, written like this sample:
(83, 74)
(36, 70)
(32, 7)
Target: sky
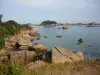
(62, 11)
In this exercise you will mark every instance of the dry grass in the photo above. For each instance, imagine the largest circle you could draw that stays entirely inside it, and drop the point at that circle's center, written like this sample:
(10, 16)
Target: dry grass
(81, 68)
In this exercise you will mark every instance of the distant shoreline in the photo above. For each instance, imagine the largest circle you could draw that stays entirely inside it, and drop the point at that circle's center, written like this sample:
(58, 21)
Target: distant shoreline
(63, 25)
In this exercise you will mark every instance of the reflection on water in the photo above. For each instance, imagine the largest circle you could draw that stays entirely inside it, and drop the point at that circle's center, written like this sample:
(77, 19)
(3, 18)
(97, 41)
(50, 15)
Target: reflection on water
(90, 35)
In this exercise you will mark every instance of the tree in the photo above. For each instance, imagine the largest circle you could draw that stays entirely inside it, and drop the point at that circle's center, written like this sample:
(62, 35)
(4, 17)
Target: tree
(48, 22)
(1, 19)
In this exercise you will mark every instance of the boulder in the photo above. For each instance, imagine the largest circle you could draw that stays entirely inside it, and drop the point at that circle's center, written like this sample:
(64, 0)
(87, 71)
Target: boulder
(32, 39)
(3, 53)
(22, 56)
(30, 56)
(17, 56)
(37, 64)
(80, 40)
(64, 27)
(62, 55)
(26, 31)
(24, 42)
(33, 30)
(12, 41)
(58, 28)
(38, 38)
(59, 36)
(35, 34)
(40, 47)
(24, 47)
(4, 59)
(78, 56)
(10, 48)
(26, 37)
(45, 37)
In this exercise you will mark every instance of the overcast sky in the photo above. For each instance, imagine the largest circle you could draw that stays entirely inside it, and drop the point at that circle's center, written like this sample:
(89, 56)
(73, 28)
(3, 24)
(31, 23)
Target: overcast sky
(62, 11)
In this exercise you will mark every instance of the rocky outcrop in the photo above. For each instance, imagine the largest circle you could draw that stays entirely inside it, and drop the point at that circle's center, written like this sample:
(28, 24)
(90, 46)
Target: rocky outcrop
(62, 55)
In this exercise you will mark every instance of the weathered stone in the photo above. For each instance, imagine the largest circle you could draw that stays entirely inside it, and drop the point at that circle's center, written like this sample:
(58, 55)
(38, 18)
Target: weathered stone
(3, 53)
(17, 56)
(33, 30)
(37, 64)
(24, 42)
(34, 34)
(12, 41)
(80, 41)
(40, 47)
(32, 39)
(4, 59)
(24, 47)
(30, 56)
(26, 31)
(78, 56)
(10, 48)
(62, 55)
(38, 38)
(64, 27)
(26, 37)
(22, 56)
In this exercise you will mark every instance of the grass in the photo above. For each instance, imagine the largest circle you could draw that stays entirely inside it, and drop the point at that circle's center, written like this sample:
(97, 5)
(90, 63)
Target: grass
(50, 69)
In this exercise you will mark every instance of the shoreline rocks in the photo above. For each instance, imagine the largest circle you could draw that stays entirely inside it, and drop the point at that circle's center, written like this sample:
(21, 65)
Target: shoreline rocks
(22, 56)
(36, 64)
(62, 55)
(20, 48)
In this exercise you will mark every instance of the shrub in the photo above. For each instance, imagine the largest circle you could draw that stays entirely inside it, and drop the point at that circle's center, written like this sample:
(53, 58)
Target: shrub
(2, 42)
(8, 29)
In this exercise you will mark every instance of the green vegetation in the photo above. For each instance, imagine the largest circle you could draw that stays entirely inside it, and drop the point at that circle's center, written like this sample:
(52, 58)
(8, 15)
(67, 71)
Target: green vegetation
(0, 19)
(8, 29)
(48, 22)
(7, 69)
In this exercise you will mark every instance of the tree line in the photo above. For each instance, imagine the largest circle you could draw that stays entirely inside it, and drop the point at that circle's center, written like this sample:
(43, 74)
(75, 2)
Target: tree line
(48, 22)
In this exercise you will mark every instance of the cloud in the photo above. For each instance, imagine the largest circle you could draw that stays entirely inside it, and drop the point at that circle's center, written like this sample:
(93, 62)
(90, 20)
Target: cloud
(59, 3)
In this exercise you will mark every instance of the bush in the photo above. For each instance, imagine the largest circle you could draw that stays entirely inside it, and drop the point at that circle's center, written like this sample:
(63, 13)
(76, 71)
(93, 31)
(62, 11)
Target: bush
(2, 42)
(11, 69)
(8, 29)
(26, 26)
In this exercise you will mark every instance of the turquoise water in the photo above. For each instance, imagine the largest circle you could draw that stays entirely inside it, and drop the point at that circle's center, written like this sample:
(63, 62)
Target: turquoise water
(90, 35)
